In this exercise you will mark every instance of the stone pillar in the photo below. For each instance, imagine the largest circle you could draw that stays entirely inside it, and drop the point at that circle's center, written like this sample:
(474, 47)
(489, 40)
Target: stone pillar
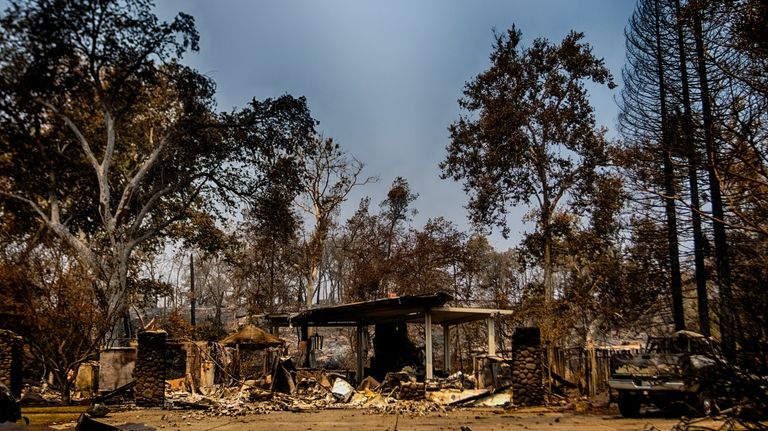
(10, 361)
(527, 386)
(149, 372)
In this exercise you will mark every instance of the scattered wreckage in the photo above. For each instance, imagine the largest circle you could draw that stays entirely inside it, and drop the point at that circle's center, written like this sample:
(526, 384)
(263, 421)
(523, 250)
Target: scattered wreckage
(231, 379)
(292, 389)
(407, 374)
(249, 372)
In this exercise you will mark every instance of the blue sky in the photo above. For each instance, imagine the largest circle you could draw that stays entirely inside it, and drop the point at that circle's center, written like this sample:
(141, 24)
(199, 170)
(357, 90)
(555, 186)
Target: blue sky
(383, 77)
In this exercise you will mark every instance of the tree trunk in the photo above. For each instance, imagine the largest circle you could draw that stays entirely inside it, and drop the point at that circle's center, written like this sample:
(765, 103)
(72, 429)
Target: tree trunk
(546, 220)
(316, 247)
(676, 284)
(727, 321)
(693, 180)
(313, 276)
(192, 296)
(61, 376)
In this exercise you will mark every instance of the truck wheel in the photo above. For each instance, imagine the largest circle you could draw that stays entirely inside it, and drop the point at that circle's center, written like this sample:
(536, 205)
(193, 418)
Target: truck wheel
(629, 405)
(707, 405)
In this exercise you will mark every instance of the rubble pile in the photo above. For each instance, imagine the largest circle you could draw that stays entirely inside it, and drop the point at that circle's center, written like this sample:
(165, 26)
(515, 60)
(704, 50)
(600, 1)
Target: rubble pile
(402, 385)
(308, 388)
(38, 396)
(399, 393)
(286, 388)
(411, 391)
(457, 380)
(410, 408)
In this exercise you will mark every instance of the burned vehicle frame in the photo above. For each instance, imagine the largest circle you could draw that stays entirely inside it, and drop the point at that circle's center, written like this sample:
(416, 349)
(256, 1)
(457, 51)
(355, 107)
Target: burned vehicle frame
(678, 370)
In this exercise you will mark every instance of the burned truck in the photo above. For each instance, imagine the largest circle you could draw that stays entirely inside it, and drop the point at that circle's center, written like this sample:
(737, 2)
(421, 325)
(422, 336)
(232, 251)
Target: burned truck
(678, 370)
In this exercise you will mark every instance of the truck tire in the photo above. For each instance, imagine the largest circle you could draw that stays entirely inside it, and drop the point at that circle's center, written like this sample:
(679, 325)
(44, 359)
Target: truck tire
(629, 405)
(707, 405)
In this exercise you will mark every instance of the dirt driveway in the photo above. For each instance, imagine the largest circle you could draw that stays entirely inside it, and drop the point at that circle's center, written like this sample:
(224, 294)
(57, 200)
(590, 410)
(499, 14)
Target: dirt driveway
(355, 419)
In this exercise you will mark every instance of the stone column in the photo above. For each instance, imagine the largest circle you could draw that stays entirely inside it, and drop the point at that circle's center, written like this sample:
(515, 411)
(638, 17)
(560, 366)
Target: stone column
(527, 386)
(149, 372)
(10, 361)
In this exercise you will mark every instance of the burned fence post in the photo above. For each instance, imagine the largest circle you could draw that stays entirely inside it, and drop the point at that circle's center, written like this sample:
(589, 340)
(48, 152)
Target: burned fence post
(527, 387)
(149, 372)
(10, 361)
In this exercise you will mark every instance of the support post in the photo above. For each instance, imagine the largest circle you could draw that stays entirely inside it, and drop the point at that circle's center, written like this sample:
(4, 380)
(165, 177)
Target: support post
(491, 337)
(360, 355)
(447, 348)
(428, 342)
(304, 348)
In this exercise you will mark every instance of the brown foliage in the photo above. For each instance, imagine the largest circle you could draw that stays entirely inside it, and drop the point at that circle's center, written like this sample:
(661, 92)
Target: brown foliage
(49, 299)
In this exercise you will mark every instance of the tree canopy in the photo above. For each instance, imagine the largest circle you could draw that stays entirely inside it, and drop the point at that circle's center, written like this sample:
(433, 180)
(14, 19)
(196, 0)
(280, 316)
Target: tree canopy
(529, 133)
(108, 141)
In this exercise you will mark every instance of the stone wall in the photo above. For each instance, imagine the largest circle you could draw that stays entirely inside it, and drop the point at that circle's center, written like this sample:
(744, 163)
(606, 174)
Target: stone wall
(527, 387)
(150, 369)
(10, 361)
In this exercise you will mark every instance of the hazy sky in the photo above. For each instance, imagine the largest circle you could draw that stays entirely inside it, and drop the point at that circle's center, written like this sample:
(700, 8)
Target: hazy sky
(383, 77)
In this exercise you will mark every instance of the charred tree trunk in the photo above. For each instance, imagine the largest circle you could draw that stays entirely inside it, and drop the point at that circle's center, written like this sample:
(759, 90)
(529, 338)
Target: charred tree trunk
(692, 153)
(727, 321)
(192, 297)
(676, 285)
(546, 221)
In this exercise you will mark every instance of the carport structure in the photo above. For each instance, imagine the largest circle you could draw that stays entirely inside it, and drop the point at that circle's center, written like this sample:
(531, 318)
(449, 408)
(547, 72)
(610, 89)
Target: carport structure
(427, 309)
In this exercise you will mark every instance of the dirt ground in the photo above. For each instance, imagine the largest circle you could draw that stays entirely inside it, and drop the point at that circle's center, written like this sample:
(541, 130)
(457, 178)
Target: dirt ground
(357, 419)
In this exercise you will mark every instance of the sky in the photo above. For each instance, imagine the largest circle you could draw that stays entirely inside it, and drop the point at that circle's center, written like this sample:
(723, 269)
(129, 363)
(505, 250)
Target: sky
(383, 77)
